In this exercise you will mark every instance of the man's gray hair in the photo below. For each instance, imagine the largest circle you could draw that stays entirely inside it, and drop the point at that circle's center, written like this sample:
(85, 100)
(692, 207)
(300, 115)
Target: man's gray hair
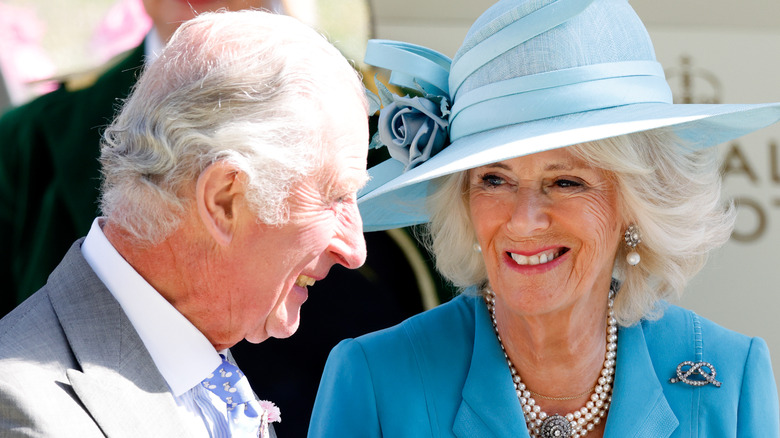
(243, 87)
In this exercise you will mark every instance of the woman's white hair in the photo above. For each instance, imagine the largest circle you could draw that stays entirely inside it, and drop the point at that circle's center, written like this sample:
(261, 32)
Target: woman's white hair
(244, 87)
(669, 191)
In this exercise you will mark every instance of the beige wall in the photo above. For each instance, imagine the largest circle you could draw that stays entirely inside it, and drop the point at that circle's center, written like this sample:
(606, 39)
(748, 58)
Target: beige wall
(734, 52)
(438, 24)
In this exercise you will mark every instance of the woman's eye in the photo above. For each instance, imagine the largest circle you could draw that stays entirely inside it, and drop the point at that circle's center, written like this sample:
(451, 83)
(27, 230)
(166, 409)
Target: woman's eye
(567, 183)
(492, 180)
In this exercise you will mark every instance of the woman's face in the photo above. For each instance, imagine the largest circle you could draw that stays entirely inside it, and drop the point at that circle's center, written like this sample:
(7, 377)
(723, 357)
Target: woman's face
(549, 226)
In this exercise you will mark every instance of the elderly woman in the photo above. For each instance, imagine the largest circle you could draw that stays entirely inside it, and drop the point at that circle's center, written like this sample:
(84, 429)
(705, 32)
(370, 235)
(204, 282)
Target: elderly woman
(572, 200)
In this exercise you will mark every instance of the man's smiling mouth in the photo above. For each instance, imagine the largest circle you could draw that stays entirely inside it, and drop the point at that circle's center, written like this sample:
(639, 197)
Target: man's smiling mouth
(304, 280)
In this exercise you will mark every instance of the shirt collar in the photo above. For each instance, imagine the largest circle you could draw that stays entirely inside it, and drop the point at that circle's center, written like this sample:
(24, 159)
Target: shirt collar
(180, 351)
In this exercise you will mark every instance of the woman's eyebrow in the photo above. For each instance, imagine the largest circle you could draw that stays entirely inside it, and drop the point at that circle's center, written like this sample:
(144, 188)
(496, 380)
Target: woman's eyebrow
(562, 166)
(552, 166)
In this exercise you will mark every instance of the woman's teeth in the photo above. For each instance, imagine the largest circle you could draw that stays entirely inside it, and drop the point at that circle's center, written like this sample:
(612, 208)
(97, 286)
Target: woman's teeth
(536, 259)
(303, 281)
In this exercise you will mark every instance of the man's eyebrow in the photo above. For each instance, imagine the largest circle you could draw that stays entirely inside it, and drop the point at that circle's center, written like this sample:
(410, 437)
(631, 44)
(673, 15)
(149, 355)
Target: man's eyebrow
(350, 185)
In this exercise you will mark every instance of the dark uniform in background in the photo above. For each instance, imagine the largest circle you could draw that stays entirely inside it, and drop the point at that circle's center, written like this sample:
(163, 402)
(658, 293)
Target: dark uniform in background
(50, 175)
(49, 181)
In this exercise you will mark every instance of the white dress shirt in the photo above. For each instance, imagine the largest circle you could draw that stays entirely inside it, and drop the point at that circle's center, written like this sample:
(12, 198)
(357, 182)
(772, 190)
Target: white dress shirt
(181, 352)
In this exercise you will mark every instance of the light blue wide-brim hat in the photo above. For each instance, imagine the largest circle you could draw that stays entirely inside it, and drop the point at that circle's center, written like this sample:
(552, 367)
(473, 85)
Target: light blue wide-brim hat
(535, 75)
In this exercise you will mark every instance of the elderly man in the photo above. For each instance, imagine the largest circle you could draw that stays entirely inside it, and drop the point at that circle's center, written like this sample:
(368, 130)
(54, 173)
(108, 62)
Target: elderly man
(229, 187)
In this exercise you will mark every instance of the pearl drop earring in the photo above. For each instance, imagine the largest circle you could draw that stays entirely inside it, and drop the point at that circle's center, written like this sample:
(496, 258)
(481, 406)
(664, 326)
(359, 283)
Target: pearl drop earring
(477, 247)
(632, 238)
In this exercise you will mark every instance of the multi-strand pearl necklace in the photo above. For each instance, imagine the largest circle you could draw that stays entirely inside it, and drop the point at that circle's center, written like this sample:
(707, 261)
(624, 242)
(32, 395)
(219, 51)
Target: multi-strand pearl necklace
(574, 424)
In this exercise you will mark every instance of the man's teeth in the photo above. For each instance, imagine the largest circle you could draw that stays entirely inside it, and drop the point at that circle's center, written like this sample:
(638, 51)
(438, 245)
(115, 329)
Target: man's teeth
(304, 281)
(536, 259)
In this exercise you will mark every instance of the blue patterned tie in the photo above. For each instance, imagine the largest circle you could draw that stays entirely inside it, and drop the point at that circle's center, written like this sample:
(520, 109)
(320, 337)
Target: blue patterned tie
(232, 387)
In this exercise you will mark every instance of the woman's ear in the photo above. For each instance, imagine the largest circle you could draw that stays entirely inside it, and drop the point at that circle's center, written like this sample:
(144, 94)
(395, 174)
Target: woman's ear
(216, 195)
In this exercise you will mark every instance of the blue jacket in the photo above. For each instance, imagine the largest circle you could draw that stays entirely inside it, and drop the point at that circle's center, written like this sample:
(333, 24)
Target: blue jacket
(442, 374)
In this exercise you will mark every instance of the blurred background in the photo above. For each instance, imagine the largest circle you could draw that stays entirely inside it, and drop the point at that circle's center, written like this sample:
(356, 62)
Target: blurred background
(716, 51)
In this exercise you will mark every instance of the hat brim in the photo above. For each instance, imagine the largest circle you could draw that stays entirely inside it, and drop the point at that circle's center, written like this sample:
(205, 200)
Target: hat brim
(394, 198)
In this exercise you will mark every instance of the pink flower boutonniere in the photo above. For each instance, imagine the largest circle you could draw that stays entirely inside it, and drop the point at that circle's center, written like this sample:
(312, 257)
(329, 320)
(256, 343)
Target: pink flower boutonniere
(270, 414)
(274, 415)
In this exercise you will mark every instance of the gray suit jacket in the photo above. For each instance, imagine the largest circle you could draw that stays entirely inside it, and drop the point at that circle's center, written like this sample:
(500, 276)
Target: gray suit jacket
(72, 365)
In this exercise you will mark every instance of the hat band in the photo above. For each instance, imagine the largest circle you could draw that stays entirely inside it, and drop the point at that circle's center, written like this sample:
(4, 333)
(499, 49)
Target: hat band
(511, 36)
(410, 65)
(558, 93)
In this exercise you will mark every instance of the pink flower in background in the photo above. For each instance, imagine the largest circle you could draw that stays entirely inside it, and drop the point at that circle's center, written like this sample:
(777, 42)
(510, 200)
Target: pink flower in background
(123, 27)
(22, 59)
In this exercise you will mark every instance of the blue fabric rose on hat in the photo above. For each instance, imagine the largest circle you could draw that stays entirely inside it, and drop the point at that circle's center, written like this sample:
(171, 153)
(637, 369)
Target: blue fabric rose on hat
(412, 128)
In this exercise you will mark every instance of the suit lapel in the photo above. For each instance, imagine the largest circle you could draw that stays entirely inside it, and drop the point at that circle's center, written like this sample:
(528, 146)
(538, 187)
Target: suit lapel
(118, 383)
(122, 409)
(639, 407)
(489, 406)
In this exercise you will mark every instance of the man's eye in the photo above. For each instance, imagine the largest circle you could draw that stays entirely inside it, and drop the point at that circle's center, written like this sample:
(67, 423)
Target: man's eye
(344, 199)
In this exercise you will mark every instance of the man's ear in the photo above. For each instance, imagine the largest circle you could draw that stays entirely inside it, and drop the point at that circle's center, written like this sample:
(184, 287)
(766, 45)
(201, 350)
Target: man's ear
(216, 193)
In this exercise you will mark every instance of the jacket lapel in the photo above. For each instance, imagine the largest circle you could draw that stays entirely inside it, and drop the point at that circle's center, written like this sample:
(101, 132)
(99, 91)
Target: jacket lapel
(122, 409)
(489, 406)
(118, 383)
(639, 407)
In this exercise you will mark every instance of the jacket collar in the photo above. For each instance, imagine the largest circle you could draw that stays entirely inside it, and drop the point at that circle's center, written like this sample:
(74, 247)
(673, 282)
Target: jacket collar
(489, 398)
(639, 407)
(118, 382)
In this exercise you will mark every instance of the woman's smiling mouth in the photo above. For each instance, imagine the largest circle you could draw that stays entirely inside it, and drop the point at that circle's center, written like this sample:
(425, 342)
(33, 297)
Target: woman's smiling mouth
(539, 258)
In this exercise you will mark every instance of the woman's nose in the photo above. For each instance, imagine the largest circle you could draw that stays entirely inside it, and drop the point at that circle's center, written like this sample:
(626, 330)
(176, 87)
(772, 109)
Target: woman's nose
(530, 214)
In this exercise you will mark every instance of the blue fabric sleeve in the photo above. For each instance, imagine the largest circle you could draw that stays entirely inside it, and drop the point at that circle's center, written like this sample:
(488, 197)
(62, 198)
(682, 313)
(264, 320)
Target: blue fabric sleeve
(345, 404)
(759, 414)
